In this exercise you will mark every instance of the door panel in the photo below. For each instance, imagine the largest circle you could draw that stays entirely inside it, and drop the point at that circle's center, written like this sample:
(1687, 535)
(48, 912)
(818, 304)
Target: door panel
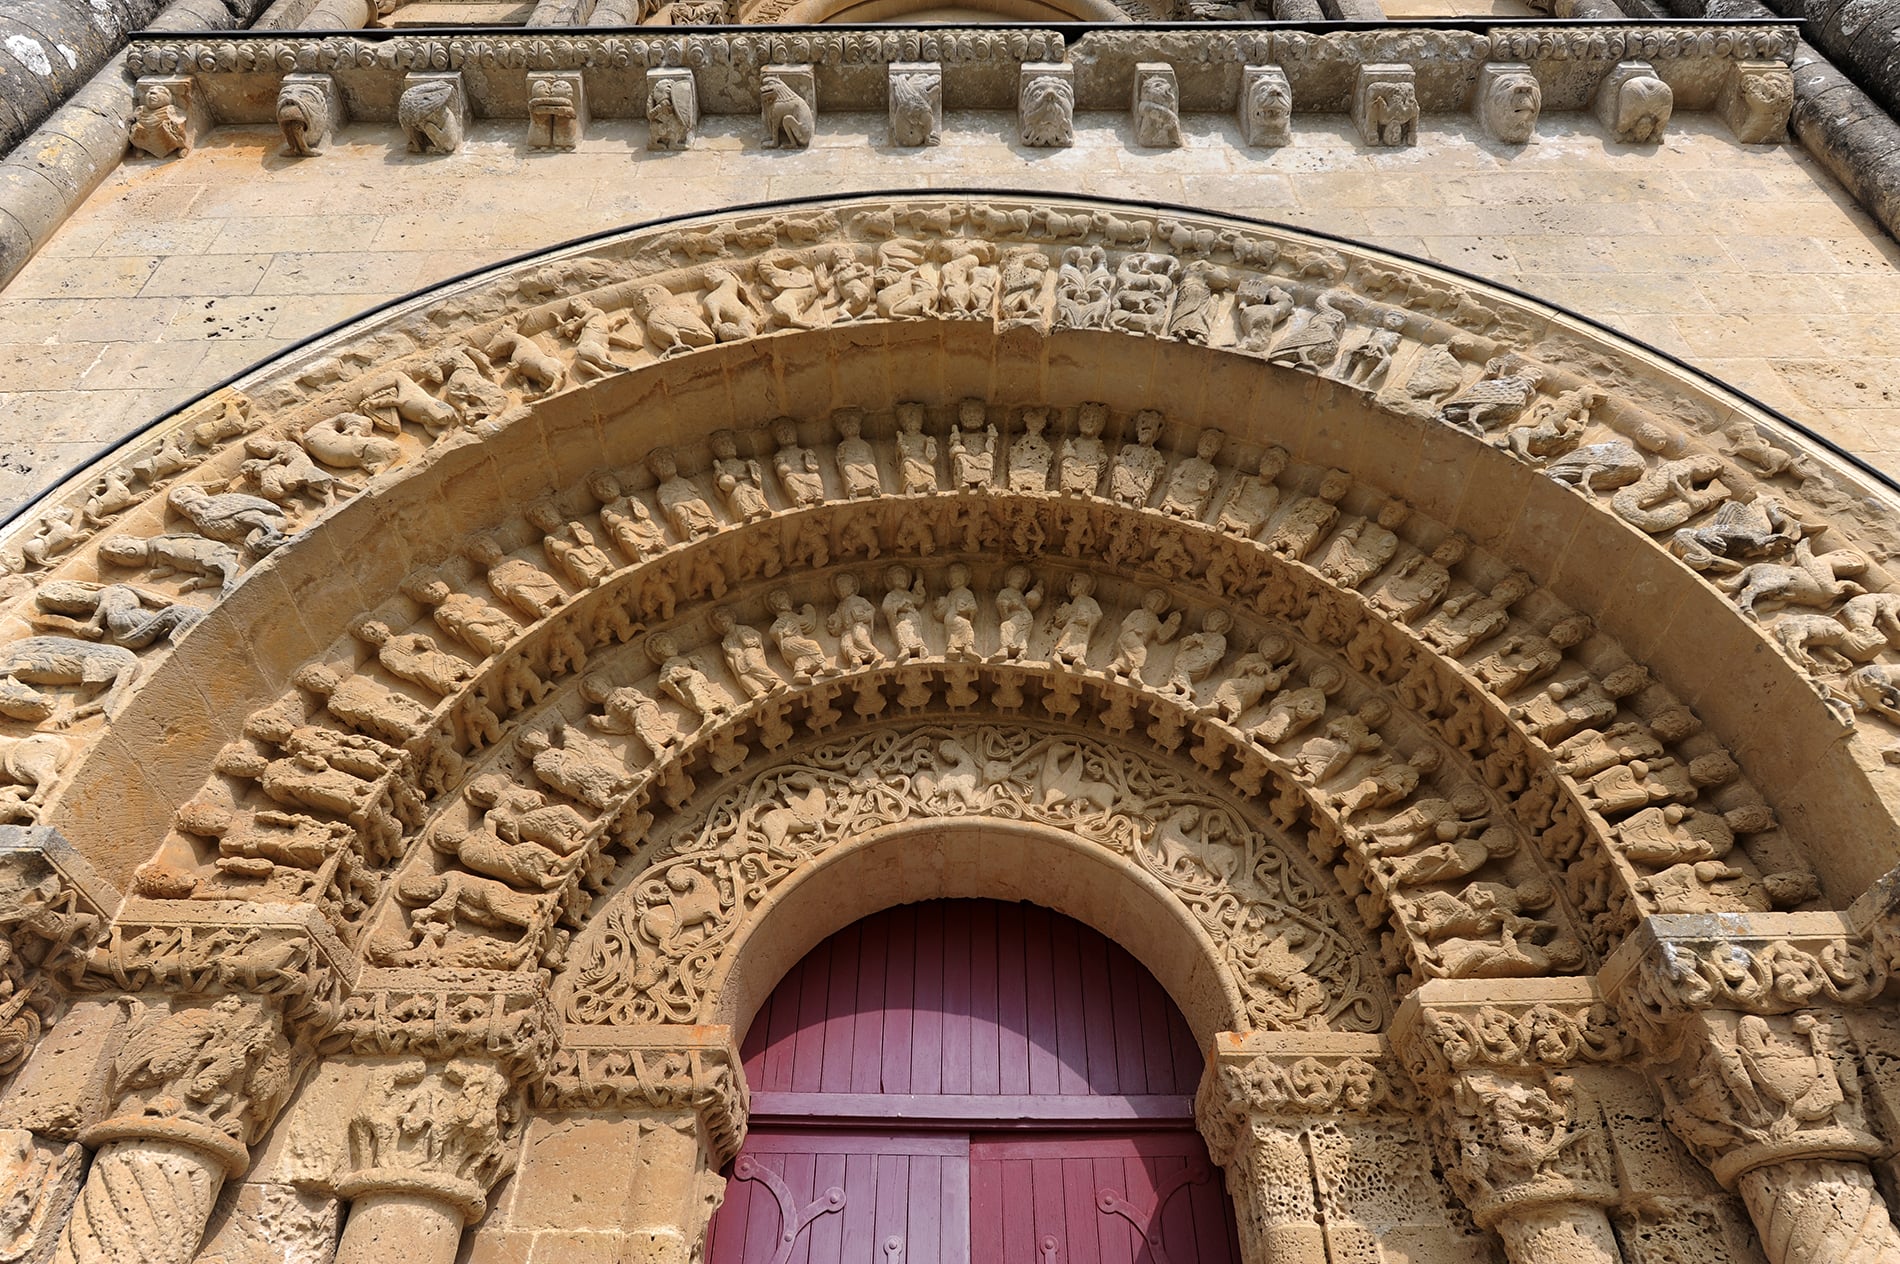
(1092, 1198)
(844, 1196)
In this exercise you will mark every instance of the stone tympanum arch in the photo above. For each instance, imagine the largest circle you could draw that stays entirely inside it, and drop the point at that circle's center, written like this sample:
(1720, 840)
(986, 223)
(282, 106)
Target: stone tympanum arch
(398, 678)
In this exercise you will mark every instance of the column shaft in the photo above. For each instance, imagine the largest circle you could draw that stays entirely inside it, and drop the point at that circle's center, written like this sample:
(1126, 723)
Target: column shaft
(145, 1201)
(1559, 1233)
(1820, 1211)
(394, 1227)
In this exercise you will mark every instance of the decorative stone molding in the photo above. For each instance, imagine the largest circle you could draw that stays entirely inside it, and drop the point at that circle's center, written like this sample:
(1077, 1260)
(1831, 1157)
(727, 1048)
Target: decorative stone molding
(788, 103)
(1757, 101)
(1265, 107)
(672, 108)
(168, 115)
(916, 103)
(1249, 1078)
(1045, 104)
(433, 111)
(1385, 105)
(442, 1015)
(557, 109)
(1507, 101)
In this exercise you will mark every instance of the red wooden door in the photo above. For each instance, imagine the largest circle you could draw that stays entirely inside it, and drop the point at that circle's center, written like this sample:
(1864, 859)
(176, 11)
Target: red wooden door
(971, 1082)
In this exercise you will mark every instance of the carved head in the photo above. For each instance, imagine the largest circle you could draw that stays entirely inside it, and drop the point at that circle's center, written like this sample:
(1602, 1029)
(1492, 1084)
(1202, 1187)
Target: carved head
(725, 445)
(910, 417)
(663, 464)
(661, 647)
(722, 621)
(603, 487)
(1090, 419)
(1035, 420)
(158, 98)
(1147, 426)
(1217, 622)
(483, 551)
(971, 414)
(778, 601)
(785, 431)
(850, 423)
(1451, 550)
(1334, 484)
(1017, 577)
(1327, 678)
(1268, 100)
(1393, 514)
(1511, 106)
(958, 576)
(1081, 584)
(123, 550)
(845, 585)
(1154, 601)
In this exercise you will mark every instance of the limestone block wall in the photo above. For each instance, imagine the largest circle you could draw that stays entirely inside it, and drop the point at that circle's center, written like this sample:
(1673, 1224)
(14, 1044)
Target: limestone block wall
(1747, 261)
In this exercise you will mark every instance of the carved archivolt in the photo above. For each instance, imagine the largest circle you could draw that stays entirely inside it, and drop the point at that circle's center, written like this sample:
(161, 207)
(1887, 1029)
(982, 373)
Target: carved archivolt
(558, 660)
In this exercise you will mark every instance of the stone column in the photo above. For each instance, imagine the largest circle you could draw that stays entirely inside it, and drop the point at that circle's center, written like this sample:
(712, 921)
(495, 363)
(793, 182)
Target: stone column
(193, 1084)
(1520, 1141)
(1257, 1099)
(426, 1141)
(1742, 1019)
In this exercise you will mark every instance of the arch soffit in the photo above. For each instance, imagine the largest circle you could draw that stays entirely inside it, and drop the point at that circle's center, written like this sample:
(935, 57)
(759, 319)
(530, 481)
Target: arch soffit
(917, 253)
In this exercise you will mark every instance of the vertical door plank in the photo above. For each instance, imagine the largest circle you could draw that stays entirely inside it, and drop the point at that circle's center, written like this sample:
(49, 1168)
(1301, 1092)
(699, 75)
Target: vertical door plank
(1097, 1000)
(927, 1016)
(1081, 1237)
(814, 999)
(867, 1039)
(985, 1067)
(1012, 1000)
(1071, 1023)
(826, 1234)
(1045, 1075)
(1019, 1213)
(924, 1225)
(1119, 1241)
(958, 995)
(956, 1211)
(900, 971)
(893, 1204)
(987, 1212)
(801, 1178)
(860, 1208)
(841, 1011)
(1158, 1039)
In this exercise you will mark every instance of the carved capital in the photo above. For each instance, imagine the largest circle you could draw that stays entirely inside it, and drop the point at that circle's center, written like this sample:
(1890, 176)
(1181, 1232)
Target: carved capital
(499, 1016)
(444, 1131)
(653, 1067)
(1876, 915)
(1747, 1090)
(1249, 1082)
(1511, 1143)
(52, 907)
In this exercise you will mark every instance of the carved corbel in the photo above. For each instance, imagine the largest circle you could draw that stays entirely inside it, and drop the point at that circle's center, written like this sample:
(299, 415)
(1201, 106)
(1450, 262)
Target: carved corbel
(168, 115)
(433, 111)
(1385, 105)
(672, 107)
(1752, 1062)
(916, 103)
(1045, 104)
(1521, 1142)
(1757, 101)
(1265, 107)
(1156, 106)
(677, 1099)
(310, 109)
(1634, 104)
(557, 109)
(1508, 100)
(788, 106)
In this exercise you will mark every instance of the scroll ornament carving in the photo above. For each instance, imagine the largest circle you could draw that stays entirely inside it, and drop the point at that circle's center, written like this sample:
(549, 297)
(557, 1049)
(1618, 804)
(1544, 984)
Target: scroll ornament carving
(651, 955)
(1287, 1088)
(1511, 1143)
(48, 930)
(439, 1130)
(500, 1017)
(657, 1070)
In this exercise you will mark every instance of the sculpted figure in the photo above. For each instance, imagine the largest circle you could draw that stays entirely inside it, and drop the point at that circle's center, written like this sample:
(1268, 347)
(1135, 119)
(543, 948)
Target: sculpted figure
(1368, 360)
(1295, 710)
(674, 324)
(159, 127)
(1157, 112)
(59, 660)
(594, 334)
(857, 462)
(1027, 277)
(1262, 308)
(468, 386)
(672, 109)
(1345, 738)
(251, 522)
(1075, 621)
(684, 680)
(628, 521)
(627, 711)
(1191, 489)
(1672, 494)
(353, 441)
(1810, 579)
(1552, 427)
(1510, 106)
(1200, 653)
(303, 115)
(1138, 466)
(799, 815)
(1387, 782)
(1084, 456)
(795, 632)
(972, 447)
(1391, 113)
(1085, 288)
(1468, 618)
(1144, 292)
(570, 546)
(1253, 497)
(1142, 629)
(1311, 339)
(956, 610)
(916, 451)
(967, 279)
(1308, 519)
(1269, 111)
(1363, 548)
(790, 121)
(553, 114)
(1195, 306)
(1739, 532)
(684, 508)
(739, 479)
(1483, 931)
(575, 765)
(1016, 604)
(916, 107)
(852, 623)
(1643, 106)
(1451, 858)
(904, 290)
(120, 613)
(726, 306)
(415, 658)
(743, 647)
(1420, 580)
(58, 531)
(464, 616)
(1047, 109)
(1252, 677)
(521, 584)
(904, 611)
(1030, 455)
(282, 470)
(408, 400)
(796, 466)
(1526, 658)
(1445, 820)
(429, 118)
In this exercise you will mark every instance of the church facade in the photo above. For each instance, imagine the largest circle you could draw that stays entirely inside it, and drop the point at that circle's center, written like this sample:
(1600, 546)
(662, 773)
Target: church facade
(1019, 713)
